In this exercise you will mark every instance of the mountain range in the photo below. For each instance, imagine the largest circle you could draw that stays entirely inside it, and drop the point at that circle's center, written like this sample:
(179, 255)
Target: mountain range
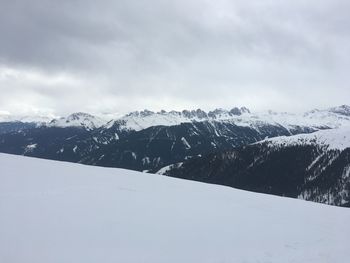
(183, 143)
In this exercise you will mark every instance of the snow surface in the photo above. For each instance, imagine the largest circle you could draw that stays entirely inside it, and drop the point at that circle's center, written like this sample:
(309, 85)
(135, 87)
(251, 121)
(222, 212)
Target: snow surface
(54, 212)
(332, 139)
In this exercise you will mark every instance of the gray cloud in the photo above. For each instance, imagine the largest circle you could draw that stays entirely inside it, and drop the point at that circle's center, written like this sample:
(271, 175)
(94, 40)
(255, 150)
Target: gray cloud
(64, 56)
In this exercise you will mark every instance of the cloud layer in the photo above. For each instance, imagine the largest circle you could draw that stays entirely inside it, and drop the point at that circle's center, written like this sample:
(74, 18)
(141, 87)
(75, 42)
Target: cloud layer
(105, 56)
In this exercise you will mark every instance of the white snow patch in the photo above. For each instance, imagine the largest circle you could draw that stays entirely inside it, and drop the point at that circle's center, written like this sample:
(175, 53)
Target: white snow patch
(332, 139)
(145, 160)
(167, 168)
(134, 155)
(75, 149)
(314, 161)
(69, 138)
(30, 147)
(185, 142)
(346, 173)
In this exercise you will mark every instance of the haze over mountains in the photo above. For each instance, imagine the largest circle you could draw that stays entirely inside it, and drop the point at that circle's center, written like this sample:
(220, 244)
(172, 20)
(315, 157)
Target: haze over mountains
(182, 143)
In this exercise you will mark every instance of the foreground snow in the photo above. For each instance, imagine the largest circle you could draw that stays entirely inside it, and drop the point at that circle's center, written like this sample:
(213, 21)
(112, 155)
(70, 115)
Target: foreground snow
(61, 212)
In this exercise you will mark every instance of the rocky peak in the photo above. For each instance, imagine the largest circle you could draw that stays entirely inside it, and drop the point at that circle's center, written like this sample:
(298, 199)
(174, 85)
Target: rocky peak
(235, 111)
(79, 116)
(343, 110)
(216, 113)
(200, 114)
(78, 119)
(245, 110)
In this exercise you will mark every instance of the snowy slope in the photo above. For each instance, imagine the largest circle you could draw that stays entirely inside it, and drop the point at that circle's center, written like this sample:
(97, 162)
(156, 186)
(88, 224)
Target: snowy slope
(60, 212)
(333, 139)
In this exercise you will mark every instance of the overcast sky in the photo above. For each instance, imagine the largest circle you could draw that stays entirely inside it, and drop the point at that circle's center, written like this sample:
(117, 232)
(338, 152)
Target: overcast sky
(117, 56)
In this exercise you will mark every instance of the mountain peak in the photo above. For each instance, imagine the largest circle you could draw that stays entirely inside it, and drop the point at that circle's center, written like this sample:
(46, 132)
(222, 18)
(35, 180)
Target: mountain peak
(217, 113)
(144, 113)
(78, 119)
(245, 110)
(79, 115)
(239, 111)
(343, 110)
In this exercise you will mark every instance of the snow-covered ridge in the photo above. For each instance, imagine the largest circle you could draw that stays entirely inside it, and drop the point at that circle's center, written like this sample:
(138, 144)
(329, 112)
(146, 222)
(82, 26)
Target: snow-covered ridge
(329, 118)
(38, 119)
(317, 119)
(332, 139)
(79, 119)
(63, 212)
(343, 110)
(140, 120)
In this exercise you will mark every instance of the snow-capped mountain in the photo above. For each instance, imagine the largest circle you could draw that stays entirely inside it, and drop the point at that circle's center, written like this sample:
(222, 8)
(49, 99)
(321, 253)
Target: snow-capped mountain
(317, 119)
(140, 120)
(14, 123)
(314, 167)
(79, 119)
(61, 212)
(147, 149)
(149, 141)
(38, 119)
(342, 110)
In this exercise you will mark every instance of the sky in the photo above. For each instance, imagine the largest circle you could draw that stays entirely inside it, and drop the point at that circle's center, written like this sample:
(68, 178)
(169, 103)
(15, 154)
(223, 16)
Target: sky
(58, 57)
